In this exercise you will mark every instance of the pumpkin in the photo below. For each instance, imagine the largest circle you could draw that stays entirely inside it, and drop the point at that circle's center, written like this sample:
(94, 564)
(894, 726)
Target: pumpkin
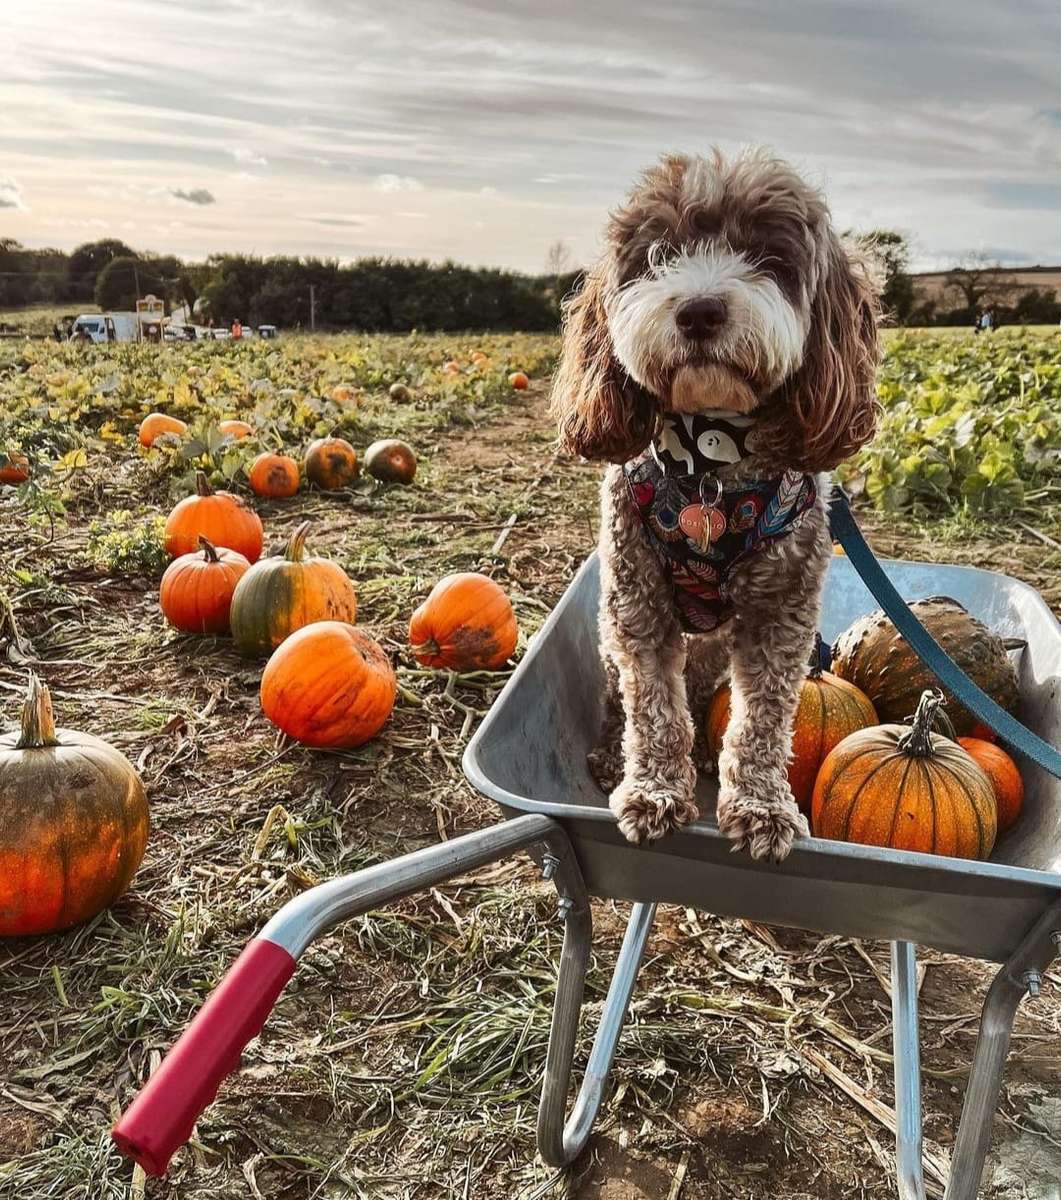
(908, 788)
(273, 475)
(873, 656)
(519, 381)
(478, 357)
(15, 470)
(451, 368)
(279, 595)
(466, 624)
(155, 424)
(225, 519)
(344, 394)
(1004, 775)
(74, 823)
(236, 429)
(399, 392)
(391, 460)
(196, 590)
(331, 463)
(829, 709)
(329, 685)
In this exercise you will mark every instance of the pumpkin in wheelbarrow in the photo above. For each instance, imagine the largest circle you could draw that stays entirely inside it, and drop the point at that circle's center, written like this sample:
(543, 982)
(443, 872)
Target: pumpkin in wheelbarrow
(875, 657)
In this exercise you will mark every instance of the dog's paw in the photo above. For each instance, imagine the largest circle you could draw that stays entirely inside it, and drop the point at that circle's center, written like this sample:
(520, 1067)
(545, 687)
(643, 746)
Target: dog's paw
(764, 820)
(648, 809)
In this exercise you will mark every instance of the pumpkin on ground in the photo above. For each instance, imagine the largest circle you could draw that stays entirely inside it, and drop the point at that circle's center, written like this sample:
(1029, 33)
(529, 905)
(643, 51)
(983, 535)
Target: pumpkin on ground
(196, 591)
(74, 823)
(1004, 775)
(466, 624)
(331, 463)
(874, 656)
(15, 470)
(236, 429)
(829, 709)
(519, 381)
(391, 461)
(344, 394)
(156, 424)
(451, 368)
(907, 788)
(273, 476)
(399, 392)
(224, 519)
(281, 594)
(329, 685)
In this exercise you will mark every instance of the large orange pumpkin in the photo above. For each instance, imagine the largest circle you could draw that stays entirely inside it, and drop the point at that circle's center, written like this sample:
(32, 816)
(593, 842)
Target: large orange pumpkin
(15, 470)
(74, 823)
(329, 685)
(156, 424)
(1004, 775)
(466, 623)
(225, 519)
(274, 476)
(196, 591)
(829, 709)
(907, 788)
(279, 595)
(236, 429)
(331, 463)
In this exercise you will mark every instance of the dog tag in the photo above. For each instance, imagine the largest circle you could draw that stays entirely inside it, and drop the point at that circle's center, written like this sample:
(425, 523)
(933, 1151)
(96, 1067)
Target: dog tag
(702, 524)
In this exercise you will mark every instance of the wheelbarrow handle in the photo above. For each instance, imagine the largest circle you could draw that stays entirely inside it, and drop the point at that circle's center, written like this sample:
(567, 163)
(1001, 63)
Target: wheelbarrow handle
(161, 1118)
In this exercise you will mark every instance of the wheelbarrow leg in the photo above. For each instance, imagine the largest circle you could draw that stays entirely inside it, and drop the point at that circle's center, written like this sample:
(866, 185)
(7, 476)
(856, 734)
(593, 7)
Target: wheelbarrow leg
(561, 1143)
(908, 1168)
(1019, 975)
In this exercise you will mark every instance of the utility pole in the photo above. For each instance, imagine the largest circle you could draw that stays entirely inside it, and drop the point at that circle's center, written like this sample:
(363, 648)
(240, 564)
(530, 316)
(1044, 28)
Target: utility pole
(312, 309)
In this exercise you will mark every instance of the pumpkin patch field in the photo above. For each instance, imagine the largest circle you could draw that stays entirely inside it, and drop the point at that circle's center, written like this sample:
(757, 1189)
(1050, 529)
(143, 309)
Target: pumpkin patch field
(282, 582)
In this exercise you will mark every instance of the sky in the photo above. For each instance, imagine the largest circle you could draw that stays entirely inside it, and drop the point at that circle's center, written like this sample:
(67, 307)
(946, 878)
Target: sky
(486, 130)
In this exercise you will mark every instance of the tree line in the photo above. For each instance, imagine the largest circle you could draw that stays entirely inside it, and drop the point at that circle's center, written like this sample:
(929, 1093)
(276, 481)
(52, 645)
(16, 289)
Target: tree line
(390, 295)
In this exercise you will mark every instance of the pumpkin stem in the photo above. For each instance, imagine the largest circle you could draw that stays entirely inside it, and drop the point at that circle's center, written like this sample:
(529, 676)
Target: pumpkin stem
(297, 543)
(209, 549)
(917, 741)
(821, 657)
(38, 724)
(202, 484)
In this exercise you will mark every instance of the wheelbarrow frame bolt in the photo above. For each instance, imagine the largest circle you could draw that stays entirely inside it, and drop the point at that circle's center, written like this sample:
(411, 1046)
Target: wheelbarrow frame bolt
(549, 864)
(1033, 982)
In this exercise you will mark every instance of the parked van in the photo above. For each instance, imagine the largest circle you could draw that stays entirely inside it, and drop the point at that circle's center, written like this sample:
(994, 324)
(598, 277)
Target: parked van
(105, 327)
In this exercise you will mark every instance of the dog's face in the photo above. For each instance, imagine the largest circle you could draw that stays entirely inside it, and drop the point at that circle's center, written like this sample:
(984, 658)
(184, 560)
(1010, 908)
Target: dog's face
(724, 287)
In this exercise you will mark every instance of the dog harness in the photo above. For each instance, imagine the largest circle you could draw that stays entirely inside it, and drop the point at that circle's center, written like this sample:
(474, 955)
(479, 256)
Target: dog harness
(700, 530)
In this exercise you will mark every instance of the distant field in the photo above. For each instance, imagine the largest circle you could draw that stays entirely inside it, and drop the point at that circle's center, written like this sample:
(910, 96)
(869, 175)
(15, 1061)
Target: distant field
(37, 319)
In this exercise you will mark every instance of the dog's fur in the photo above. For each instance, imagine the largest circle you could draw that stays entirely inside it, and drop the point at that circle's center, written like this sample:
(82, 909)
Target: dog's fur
(798, 346)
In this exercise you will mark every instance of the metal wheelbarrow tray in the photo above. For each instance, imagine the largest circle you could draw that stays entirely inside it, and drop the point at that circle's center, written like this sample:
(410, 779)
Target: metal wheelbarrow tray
(529, 755)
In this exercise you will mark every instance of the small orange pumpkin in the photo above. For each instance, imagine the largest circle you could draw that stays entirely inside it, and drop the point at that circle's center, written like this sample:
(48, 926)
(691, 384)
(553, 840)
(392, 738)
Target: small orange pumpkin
(329, 685)
(1004, 775)
(196, 590)
(907, 788)
(279, 595)
(236, 429)
(225, 519)
(451, 368)
(344, 394)
(331, 463)
(829, 709)
(391, 461)
(155, 424)
(466, 624)
(274, 476)
(15, 470)
(519, 381)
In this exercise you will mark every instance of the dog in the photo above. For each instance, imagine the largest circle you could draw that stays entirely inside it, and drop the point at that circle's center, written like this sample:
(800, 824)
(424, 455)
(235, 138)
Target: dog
(721, 355)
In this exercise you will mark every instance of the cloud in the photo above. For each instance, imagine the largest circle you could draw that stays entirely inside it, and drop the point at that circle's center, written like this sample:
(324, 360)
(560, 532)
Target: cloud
(194, 196)
(249, 158)
(340, 221)
(397, 183)
(11, 195)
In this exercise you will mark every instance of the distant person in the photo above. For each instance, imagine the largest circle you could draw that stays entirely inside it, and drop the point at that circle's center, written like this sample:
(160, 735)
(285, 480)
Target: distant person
(987, 321)
(236, 331)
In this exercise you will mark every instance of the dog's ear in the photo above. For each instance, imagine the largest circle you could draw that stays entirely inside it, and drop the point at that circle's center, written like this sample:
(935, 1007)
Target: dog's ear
(601, 412)
(828, 408)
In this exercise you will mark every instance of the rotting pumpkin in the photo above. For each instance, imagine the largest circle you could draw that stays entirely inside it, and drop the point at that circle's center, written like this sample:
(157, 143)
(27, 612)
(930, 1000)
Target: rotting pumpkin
(331, 463)
(465, 624)
(74, 826)
(273, 476)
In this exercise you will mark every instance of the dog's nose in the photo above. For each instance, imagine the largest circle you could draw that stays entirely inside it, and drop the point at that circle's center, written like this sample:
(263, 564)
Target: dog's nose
(701, 318)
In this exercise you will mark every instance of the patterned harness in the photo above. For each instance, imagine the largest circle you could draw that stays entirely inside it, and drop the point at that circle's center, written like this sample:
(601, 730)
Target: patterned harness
(699, 530)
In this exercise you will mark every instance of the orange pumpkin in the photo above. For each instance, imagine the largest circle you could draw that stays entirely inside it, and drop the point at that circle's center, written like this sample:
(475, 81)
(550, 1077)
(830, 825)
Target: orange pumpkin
(331, 463)
(344, 394)
(391, 461)
(236, 429)
(1004, 775)
(907, 788)
(74, 827)
(329, 685)
(156, 424)
(451, 368)
(466, 623)
(274, 476)
(225, 519)
(829, 709)
(15, 470)
(519, 381)
(196, 589)
(279, 595)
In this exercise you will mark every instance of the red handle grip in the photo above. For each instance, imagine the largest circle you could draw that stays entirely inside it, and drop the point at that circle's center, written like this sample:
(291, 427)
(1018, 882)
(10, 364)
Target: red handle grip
(161, 1118)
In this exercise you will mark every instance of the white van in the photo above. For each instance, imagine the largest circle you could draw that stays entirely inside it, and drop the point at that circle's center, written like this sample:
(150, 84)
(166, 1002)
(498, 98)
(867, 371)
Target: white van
(105, 327)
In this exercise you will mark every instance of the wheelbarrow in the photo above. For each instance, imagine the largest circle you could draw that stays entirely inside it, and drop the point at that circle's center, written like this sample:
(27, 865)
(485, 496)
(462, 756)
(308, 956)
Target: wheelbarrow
(529, 755)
